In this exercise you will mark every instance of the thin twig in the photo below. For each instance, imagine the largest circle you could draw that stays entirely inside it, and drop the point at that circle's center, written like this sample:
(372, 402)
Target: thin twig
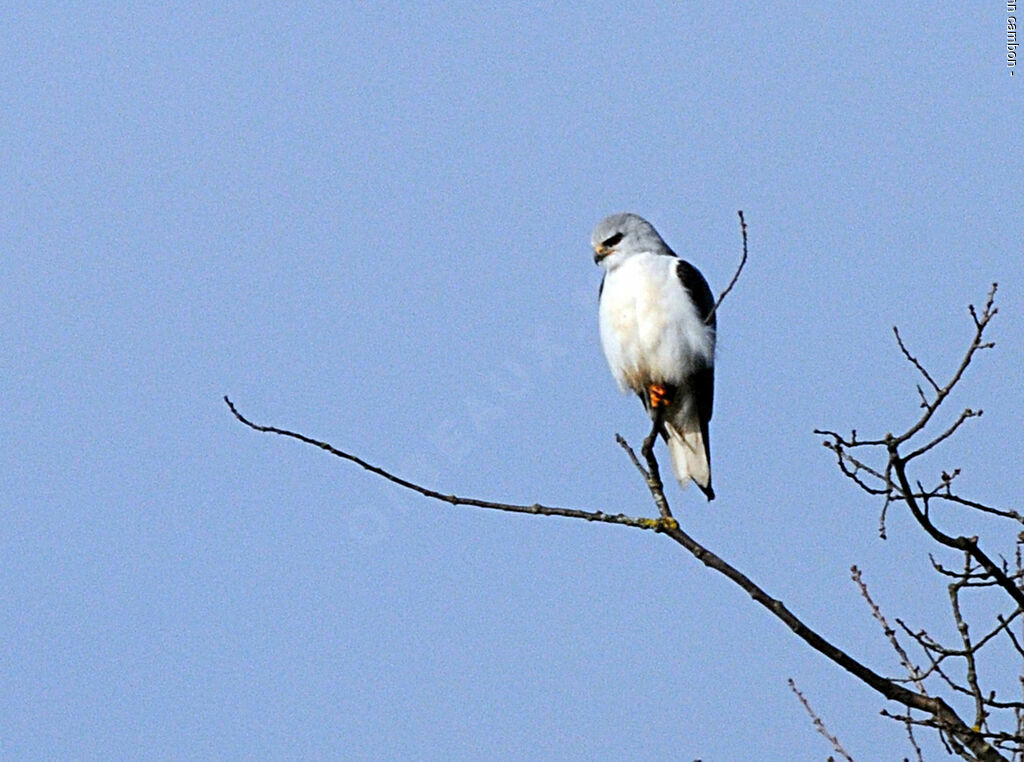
(652, 477)
(916, 364)
(912, 671)
(1013, 638)
(843, 457)
(632, 455)
(968, 413)
(819, 725)
(969, 648)
(1008, 513)
(980, 324)
(736, 276)
(913, 741)
(937, 654)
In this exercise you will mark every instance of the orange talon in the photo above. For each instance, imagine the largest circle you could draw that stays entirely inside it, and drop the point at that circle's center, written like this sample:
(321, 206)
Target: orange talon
(658, 395)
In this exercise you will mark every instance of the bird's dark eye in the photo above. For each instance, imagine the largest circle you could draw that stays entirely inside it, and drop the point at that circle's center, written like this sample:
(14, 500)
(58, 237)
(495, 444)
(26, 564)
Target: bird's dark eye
(609, 242)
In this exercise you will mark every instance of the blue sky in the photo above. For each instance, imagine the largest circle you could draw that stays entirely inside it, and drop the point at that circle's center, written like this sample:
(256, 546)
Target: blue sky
(370, 224)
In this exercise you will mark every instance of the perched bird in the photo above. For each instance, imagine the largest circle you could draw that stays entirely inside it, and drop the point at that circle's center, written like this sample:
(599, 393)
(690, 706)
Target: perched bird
(655, 332)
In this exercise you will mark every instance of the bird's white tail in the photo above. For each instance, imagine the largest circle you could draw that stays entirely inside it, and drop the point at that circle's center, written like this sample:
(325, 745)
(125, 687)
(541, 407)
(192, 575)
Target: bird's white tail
(689, 456)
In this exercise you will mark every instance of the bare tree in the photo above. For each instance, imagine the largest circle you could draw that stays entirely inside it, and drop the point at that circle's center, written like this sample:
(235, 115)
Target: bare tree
(942, 683)
(950, 673)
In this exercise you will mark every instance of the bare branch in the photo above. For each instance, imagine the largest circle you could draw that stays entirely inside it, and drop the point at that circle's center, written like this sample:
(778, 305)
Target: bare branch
(937, 654)
(1008, 514)
(918, 500)
(654, 483)
(632, 456)
(912, 671)
(913, 741)
(819, 725)
(536, 508)
(843, 458)
(736, 276)
(944, 715)
(967, 544)
(652, 477)
(969, 649)
(968, 413)
(1009, 632)
(980, 324)
(916, 364)
(1004, 625)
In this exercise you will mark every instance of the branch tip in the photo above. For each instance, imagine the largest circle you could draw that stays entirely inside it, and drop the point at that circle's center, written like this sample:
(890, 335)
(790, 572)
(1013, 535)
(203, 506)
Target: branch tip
(736, 275)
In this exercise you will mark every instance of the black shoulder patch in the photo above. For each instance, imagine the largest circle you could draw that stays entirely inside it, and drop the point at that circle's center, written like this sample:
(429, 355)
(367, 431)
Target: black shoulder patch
(697, 288)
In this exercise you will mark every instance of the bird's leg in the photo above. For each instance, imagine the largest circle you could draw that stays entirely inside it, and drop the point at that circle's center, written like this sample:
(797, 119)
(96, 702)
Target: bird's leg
(658, 397)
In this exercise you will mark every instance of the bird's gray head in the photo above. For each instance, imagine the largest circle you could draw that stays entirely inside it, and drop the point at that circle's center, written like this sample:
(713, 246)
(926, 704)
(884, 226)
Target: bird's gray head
(621, 236)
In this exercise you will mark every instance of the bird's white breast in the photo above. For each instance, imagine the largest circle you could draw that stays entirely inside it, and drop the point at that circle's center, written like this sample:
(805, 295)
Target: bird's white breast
(650, 329)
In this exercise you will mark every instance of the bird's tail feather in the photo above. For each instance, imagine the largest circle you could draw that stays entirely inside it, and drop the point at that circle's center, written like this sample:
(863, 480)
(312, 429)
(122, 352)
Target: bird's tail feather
(690, 456)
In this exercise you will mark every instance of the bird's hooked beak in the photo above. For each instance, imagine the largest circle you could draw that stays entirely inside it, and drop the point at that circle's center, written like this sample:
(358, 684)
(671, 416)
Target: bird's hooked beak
(600, 252)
